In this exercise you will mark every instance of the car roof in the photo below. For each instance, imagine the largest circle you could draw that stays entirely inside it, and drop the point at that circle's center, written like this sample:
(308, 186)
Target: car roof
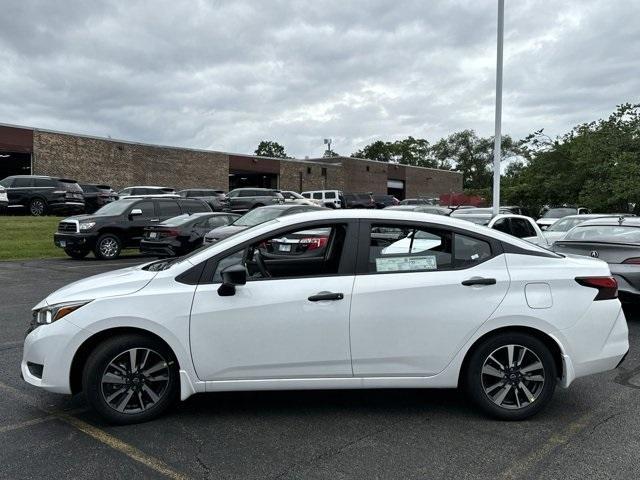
(611, 221)
(288, 206)
(383, 215)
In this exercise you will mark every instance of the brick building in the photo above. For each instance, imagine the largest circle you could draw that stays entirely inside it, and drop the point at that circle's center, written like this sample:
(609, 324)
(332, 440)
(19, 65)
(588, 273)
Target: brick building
(123, 163)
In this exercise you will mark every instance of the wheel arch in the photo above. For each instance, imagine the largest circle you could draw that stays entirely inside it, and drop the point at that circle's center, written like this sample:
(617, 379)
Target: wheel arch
(549, 341)
(83, 352)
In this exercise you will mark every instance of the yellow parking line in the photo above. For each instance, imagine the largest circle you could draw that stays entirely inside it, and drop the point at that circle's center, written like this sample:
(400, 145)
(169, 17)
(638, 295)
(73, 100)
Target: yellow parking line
(99, 435)
(27, 423)
(524, 465)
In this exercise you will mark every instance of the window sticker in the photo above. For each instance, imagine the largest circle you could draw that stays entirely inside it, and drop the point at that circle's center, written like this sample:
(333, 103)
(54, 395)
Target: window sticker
(406, 264)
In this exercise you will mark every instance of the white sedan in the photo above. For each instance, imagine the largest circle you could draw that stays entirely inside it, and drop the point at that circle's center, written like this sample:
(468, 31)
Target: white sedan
(469, 307)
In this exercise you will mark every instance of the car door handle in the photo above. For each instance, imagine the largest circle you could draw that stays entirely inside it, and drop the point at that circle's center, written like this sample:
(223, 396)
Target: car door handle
(326, 296)
(478, 281)
(154, 220)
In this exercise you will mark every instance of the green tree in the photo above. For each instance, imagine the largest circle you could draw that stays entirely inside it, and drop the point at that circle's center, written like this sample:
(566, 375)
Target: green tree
(409, 151)
(596, 164)
(267, 148)
(472, 155)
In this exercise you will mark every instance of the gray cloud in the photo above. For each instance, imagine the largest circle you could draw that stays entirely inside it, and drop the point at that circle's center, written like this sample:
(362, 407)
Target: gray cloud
(224, 75)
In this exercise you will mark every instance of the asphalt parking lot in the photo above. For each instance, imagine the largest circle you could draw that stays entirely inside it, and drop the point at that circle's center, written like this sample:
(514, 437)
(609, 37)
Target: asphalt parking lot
(591, 430)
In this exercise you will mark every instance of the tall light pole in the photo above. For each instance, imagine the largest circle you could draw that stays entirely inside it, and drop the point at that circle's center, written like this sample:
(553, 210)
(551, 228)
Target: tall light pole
(498, 135)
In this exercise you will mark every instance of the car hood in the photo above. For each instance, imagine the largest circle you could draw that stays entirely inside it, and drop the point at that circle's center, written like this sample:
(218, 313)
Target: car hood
(118, 282)
(226, 231)
(86, 218)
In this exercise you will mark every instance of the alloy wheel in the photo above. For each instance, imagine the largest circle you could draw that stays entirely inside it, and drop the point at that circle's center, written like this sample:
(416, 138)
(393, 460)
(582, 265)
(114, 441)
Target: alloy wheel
(108, 247)
(135, 380)
(513, 377)
(36, 207)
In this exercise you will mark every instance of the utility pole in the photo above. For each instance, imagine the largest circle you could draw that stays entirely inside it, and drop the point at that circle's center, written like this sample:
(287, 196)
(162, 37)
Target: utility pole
(497, 154)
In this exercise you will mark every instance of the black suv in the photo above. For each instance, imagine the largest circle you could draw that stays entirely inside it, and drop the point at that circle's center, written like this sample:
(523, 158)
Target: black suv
(245, 199)
(217, 199)
(119, 225)
(359, 200)
(41, 195)
(96, 196)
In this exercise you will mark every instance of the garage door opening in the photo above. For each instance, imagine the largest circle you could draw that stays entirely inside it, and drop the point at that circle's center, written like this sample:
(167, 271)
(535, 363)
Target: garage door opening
(14, 163)
(238, 179)
(396, 188)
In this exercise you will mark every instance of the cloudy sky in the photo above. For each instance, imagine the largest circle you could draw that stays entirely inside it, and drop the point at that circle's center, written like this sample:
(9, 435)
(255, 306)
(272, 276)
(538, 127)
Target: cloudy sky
(225, 74)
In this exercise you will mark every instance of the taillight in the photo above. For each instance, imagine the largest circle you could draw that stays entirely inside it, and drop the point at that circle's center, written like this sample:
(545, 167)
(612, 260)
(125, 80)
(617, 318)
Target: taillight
(170, 233)
(607, 286)
(313, 243)
(632, 261)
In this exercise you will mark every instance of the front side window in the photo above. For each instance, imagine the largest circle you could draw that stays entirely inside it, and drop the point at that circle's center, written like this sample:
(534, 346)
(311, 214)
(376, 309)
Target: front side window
(330, 195)
(306, 195)
(43, 182)
(521, 228)
(22, 182)
(148, 210)
(309, 252)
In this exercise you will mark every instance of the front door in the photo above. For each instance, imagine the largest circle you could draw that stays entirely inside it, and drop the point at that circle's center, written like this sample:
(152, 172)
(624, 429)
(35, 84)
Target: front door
(411, 312)
(290, 320)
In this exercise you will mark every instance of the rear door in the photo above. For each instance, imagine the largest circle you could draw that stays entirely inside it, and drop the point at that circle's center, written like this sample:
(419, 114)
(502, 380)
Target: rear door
(420, 293)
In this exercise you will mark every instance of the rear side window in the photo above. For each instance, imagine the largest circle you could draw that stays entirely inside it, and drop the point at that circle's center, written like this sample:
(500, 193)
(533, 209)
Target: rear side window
(470, 251)
(521, 228)
(317, 195)
(169, 209)
(21, 182)
(44, 182)
(405, 248)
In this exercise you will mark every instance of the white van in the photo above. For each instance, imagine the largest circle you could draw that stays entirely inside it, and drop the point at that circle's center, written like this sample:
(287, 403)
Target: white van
(329, 198)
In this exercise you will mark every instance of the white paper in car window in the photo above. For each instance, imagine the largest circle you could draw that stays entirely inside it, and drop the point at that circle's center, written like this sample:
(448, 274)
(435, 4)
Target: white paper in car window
(405, 264)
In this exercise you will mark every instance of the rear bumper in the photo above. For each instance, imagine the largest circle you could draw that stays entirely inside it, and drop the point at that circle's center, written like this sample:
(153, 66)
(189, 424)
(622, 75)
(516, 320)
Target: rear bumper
(67, 206)
(150, 247)
(625, 275)
(594, 344)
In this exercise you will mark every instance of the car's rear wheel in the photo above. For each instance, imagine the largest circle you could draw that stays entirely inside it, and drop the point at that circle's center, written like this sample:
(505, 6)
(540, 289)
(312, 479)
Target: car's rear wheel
(37, 207)
(131, 378)
(511, 376)
(108, 247)
(77, 252)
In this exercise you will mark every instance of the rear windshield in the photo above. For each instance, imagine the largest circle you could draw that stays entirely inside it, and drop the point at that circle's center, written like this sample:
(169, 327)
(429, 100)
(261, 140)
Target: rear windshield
(560, 212)
(69, 185)
(566, 224)
(605, 234)
(258, 216)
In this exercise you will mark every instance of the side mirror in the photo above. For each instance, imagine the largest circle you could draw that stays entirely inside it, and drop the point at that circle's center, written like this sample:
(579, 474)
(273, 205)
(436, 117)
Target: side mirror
(231, 276)
(135, 212)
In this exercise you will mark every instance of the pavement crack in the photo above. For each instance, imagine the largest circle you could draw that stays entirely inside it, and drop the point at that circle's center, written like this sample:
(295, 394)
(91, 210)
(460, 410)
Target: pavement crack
(606, 420)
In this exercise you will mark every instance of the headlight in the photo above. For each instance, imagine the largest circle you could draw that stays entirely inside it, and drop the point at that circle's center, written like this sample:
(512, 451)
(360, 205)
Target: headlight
(51, 313)
(87, 226)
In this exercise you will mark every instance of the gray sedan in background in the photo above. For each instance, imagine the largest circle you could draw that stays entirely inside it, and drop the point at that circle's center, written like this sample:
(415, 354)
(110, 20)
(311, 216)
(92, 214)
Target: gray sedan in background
(616, 240)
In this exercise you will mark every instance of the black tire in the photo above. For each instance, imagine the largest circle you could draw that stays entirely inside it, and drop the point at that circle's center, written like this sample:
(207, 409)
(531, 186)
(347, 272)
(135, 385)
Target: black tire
(517, 380)
(76, 252)
(108, 246)
(37, 207)
(100, 363)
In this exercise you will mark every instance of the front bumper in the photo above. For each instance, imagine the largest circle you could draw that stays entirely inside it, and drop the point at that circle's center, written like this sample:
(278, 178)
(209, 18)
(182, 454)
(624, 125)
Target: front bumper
(53, 347)
(74, 240)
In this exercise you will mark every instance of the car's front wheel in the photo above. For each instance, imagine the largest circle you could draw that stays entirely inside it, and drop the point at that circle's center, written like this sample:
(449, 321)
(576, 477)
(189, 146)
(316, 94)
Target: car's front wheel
(131, 378)
(76, 253)
(107, 247)
(511, 376)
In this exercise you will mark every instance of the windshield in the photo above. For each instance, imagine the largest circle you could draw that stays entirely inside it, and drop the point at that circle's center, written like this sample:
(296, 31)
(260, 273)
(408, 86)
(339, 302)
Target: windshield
(477, 219)
(258, 216)
(605, 234)
(114, 208)
(565, 224)
(560, 212)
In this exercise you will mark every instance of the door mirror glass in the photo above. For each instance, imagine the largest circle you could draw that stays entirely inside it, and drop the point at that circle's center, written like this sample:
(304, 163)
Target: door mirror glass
(135, 212)
(232, 276)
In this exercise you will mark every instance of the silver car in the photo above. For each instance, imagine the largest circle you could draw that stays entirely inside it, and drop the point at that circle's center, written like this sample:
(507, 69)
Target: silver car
(616, 240)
